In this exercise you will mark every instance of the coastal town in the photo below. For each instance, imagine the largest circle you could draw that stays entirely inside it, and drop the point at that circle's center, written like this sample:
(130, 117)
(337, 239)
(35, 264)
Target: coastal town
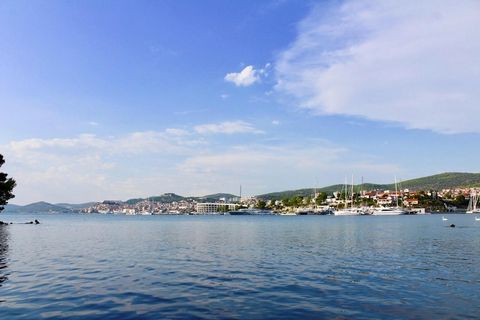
(412, 202)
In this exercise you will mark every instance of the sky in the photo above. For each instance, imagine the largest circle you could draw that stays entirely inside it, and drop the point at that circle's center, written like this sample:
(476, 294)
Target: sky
(122, 99)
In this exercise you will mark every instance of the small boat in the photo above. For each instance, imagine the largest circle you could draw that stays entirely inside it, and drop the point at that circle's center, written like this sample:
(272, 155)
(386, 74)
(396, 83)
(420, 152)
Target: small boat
(477, 218)
(250, 212)
(444, 219)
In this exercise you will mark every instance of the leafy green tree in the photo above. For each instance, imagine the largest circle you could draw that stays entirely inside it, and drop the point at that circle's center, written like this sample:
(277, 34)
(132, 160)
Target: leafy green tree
(261, 204)
(6, 186)
(321, 198)
(307, 200)
(460, 201)
(296, 201)
(222, 208)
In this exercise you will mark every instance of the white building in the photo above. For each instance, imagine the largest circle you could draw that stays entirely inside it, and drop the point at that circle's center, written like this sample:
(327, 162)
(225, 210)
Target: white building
(210, 207)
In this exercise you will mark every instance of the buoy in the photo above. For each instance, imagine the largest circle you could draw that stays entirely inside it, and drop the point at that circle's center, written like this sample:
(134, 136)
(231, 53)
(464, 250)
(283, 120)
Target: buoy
(452, 226)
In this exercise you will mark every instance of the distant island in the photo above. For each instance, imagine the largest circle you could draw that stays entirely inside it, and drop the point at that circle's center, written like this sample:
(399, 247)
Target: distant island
(436, 192)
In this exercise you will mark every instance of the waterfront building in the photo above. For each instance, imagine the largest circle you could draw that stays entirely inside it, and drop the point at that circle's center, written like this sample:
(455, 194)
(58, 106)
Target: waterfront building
(210, 207)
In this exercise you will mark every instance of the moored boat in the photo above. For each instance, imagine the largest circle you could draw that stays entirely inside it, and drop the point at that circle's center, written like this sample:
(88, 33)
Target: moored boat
(472, 204)
(388, 211)
(250, 212)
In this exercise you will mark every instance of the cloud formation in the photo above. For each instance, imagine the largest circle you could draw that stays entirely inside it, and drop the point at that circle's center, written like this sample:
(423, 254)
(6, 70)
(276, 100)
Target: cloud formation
(227, 127)
(244, 78)
(140, 164)
(413, 63)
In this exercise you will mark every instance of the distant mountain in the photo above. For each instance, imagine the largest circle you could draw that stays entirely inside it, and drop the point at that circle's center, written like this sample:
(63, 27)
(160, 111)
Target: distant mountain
(164, 198)
(445, 180)
(36, 207)
(172, 197)
(11, 208)
(441, 181)
(78, 206)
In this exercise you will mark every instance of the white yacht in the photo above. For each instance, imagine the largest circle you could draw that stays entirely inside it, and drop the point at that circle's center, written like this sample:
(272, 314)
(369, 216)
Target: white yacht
(472, 204)
(348, 211)
(388, 211)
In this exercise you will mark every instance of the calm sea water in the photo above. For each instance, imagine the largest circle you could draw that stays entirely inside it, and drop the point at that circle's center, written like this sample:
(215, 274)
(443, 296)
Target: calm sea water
(120, 267)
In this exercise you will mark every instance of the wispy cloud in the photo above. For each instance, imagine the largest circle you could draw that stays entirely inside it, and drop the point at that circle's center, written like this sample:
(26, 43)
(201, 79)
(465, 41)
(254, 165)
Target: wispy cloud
(89, 167)
(227, 127)
(170, 140)
(413, 63)
(287, 166)
(95, 167)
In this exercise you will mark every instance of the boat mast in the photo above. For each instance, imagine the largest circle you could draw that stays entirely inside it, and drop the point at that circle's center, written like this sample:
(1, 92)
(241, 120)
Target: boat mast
(396, 190)
(352, 191)
(476, 200)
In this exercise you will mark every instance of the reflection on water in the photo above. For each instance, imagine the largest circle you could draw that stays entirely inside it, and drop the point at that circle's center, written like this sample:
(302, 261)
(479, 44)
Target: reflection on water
(120, 267)
(3, 253)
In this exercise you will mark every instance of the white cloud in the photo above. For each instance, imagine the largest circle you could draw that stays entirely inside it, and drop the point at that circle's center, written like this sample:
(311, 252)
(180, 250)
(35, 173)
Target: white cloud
(87, 167)
(263, 168)
(244, 78)
(176, 132)
(227, 127)
(170, 140)
(275, 122)
(416, 63)
(140, 164)
(224, 96)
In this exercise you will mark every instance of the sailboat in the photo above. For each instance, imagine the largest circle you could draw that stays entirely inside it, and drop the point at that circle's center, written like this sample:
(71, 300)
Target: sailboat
(390, 211)
(472, 204)
(348, 211)
(148, 209)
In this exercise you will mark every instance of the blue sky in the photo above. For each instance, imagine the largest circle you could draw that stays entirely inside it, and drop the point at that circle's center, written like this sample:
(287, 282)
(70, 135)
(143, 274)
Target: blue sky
(120, 99)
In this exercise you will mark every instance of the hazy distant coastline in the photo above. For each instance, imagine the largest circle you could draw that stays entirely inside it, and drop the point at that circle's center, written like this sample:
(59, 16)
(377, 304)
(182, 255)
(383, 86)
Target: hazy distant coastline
(437, 182)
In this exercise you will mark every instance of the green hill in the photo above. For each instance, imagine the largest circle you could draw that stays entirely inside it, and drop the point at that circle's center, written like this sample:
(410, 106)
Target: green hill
(445, 180)
(172, 197)
(441, 181)
(164, 198)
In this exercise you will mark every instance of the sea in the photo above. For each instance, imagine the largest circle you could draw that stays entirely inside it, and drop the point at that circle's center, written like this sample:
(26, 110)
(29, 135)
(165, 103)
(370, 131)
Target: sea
(74, 266)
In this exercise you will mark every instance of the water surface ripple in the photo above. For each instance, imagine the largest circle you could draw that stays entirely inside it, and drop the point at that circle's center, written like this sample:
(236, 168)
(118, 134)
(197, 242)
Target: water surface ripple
(111, 267)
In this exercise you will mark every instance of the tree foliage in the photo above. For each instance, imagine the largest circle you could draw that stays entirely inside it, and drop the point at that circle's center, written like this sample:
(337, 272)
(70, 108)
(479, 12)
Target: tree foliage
(321, 198)
(6, 186)
(261, 204)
